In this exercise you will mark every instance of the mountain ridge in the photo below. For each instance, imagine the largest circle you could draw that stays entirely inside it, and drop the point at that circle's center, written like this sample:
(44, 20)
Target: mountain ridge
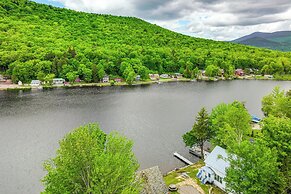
(279, 40)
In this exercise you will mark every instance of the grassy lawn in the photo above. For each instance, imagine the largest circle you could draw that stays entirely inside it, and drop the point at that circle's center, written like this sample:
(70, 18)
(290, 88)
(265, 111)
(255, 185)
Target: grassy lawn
(174, 177)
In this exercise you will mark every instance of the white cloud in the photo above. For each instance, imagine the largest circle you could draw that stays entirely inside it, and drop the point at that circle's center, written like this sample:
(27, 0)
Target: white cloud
(214, 19)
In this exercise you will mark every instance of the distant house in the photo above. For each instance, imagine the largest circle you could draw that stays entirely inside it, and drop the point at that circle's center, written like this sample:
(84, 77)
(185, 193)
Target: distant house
(137, 78)
(35, 83)
(118, 80)
(152, 181)
(154, 77)
(58, 81)
(215, 167)
(178, 75)
(164, 76)
(222, 72)
(105, 79)
(239, 72)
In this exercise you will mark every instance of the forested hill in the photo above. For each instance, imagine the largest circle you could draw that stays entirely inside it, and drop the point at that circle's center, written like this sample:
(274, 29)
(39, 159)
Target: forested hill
(38, 40)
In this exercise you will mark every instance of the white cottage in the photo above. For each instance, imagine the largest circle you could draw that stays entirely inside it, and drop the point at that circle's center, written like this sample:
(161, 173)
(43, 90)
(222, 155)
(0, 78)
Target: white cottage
(215, 166)
(58, 81)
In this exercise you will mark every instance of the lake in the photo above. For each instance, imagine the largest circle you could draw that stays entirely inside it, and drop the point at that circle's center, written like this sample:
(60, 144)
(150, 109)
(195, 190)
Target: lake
(153, 116)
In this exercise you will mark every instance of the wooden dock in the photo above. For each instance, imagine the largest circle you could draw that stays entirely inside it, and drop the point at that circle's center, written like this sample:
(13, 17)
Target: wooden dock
(182, 158)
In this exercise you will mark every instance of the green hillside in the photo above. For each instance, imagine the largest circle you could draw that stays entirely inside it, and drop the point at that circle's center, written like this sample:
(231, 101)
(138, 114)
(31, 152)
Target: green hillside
(39, 40)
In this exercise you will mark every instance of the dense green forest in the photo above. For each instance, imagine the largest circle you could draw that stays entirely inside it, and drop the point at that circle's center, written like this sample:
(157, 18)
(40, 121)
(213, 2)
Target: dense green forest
(40, 41)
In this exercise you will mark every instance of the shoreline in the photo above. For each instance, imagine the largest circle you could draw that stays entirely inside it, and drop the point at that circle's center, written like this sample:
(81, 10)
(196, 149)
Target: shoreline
(15, 87)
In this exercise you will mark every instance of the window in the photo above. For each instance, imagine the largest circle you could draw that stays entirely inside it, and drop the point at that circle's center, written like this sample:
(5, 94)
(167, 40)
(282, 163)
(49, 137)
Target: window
(218, 178)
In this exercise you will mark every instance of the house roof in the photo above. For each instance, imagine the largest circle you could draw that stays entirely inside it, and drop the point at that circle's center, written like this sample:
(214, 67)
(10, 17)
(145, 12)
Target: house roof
(153, 182)
(216, 160)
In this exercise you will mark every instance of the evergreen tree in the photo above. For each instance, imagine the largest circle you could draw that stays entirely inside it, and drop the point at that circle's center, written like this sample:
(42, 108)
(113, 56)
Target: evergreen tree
(200, 132)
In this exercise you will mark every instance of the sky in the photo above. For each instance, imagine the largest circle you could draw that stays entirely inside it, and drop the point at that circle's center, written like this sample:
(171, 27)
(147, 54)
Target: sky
(213, 19)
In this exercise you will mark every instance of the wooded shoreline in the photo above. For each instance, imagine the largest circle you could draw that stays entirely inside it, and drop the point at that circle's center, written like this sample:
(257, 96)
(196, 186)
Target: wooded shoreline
(10, 87)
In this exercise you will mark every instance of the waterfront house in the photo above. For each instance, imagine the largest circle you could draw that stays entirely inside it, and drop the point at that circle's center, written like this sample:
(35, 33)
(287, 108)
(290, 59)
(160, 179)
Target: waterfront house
(105, 79)
(118, 80)
(178, 75)
(152, 181)
(58, 81)
(154, 77)
(164, 76)
(239, 72)
(137, 78)
(34, 83)
(215, 167)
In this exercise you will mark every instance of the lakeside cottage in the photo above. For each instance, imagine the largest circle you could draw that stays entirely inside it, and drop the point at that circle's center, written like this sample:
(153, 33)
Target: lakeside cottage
(34, 83)
(58, 81)
(215, 167)
(239, 72)
(178, 75)
(118, 80)
(105, 79)
(154, 77)
(137, 78)
(152, 181)
(164, 76)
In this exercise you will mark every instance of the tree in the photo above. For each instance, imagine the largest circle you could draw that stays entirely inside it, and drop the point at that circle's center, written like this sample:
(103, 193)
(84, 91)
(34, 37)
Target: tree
(277, 103)
(130, 77)
(143, 72)
(72, 76)
(49, 78)
(90, 161)
(211, 70)
(100, 71)
(276, 134)
(253, 169)
(230, 123)
(200, 132)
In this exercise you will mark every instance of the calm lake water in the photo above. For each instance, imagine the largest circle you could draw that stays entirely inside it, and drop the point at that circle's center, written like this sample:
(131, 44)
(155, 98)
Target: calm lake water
(154, 117)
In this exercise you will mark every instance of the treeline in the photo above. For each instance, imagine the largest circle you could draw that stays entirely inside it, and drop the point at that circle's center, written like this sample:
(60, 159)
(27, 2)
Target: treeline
(40, 41)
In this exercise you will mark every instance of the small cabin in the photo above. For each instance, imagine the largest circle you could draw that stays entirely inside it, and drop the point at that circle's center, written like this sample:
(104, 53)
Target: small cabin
(215, 167)
(164, 76)
(58, 81)
(105, 79)
(118, 80)
(154, 77)
(35, 83)
(178, 75)
(239, 72)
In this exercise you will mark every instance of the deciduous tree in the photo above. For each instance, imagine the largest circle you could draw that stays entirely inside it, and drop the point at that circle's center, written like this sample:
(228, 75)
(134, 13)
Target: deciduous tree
(90, 161)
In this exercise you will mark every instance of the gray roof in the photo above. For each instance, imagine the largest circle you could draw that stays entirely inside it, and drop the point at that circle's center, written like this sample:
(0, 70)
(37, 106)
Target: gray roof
(152, 180)
(216, 160)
